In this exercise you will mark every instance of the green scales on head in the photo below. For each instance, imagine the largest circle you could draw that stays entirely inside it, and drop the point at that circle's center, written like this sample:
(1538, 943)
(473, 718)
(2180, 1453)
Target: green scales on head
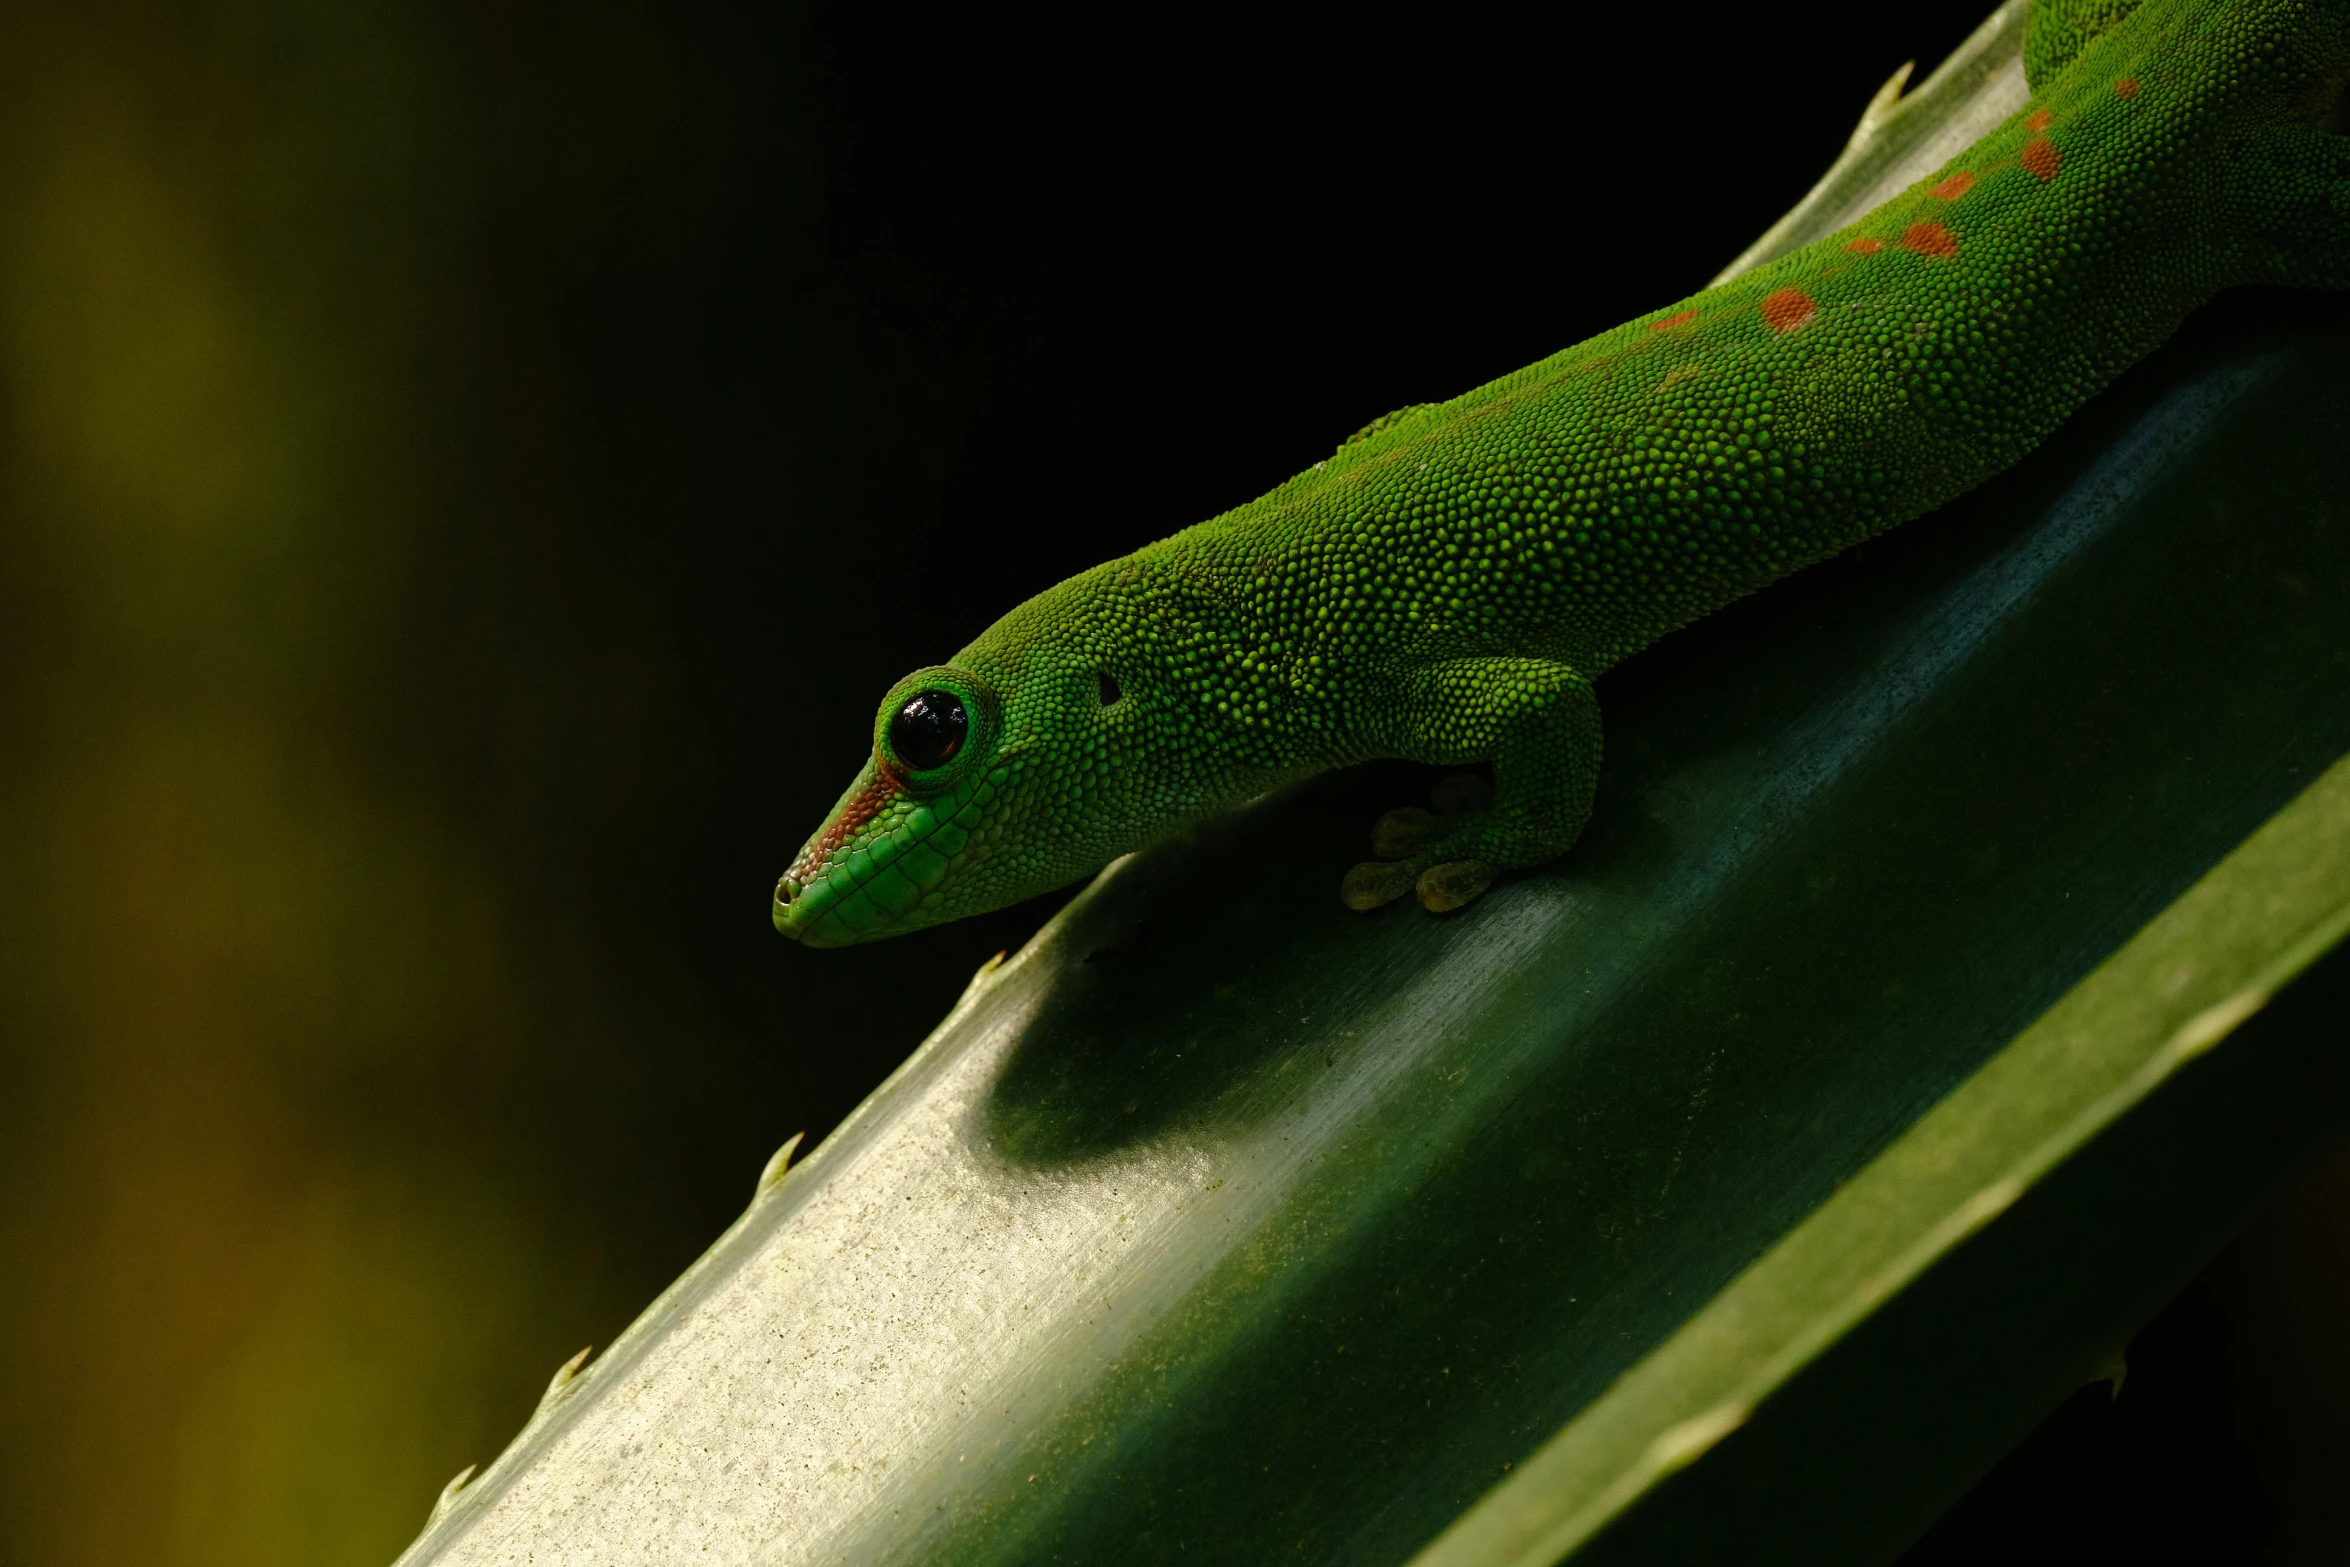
(1446, 587)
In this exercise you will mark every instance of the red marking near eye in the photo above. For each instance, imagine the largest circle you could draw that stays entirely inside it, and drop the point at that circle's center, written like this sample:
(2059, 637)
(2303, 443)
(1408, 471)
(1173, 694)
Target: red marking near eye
(1930, 239)
(2127, 87)
(2040, 158)
(1678, 318)
(843, 827)
(2038, 121)
(1865, 247)
(1954, 187)
(1788, 309)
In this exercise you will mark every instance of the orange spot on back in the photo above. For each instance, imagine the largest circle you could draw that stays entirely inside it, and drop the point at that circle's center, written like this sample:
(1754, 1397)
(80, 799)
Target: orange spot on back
(2040, 158)
(1930, 239)
(2127, 87)
(1865, 247)
(1677, 318)
(1788, 309)
(2038, 120)
(1954, 187)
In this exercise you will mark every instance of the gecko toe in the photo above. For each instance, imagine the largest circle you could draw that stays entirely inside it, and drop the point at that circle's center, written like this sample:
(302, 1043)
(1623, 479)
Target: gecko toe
(1454, 884)
(1373, 884)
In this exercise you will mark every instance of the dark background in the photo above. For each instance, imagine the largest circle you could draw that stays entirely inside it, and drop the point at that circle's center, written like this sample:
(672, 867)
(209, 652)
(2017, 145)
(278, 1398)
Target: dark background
(468, 472)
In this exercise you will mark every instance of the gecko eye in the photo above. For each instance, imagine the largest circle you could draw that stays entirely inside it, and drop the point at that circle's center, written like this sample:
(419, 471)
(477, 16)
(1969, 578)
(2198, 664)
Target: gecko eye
(928, 731)
(1109, 688)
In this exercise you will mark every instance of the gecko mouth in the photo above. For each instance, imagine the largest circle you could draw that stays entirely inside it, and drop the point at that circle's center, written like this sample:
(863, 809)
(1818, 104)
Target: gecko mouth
(879, 867)
(809, 910)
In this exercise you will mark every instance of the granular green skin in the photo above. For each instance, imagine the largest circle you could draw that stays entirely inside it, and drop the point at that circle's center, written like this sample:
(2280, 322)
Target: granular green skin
(1446, 586)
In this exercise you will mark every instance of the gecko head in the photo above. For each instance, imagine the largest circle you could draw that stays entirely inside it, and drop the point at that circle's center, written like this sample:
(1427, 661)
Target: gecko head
(1017, 768)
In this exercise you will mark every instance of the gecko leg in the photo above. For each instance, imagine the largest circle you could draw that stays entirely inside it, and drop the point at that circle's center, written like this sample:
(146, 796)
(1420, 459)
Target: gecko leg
(1538, 722)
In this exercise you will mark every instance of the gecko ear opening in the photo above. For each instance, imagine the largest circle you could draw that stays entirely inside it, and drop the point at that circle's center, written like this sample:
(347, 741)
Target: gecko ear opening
(1107, 683)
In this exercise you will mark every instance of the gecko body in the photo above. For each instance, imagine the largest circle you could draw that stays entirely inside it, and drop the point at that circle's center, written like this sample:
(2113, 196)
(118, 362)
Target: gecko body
(1447, 586)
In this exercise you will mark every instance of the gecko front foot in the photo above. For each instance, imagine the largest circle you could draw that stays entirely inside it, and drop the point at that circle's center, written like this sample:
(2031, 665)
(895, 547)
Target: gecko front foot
(1536, 719)
(1430, 852)
(1443, 885)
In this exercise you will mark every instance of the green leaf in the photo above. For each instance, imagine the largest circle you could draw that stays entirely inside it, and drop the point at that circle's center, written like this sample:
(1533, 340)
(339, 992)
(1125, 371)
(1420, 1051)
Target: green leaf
(2062, 1091)
(1949, 967)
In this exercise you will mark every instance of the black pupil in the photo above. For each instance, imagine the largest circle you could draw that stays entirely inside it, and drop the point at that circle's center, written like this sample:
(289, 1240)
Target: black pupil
(929, 730)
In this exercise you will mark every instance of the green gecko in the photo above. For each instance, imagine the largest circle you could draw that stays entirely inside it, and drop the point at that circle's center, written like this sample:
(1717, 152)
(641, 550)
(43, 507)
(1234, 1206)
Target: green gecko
(1448, 585)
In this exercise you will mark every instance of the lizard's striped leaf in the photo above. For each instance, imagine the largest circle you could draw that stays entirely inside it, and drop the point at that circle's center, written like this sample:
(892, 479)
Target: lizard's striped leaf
(1949, 967)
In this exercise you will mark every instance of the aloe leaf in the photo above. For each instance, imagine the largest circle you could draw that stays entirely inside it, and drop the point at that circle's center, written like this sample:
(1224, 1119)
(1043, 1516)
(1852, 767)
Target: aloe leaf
(1949, 966)
(1902, 139)
(2081, 1115)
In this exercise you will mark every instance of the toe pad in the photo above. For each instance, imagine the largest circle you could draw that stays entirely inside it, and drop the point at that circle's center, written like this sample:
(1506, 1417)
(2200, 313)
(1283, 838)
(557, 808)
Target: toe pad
(1373, 884)
(1453, 885)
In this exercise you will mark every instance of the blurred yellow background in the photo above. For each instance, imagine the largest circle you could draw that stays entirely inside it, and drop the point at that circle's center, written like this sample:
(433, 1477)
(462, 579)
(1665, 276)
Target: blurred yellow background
(242, 1323)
